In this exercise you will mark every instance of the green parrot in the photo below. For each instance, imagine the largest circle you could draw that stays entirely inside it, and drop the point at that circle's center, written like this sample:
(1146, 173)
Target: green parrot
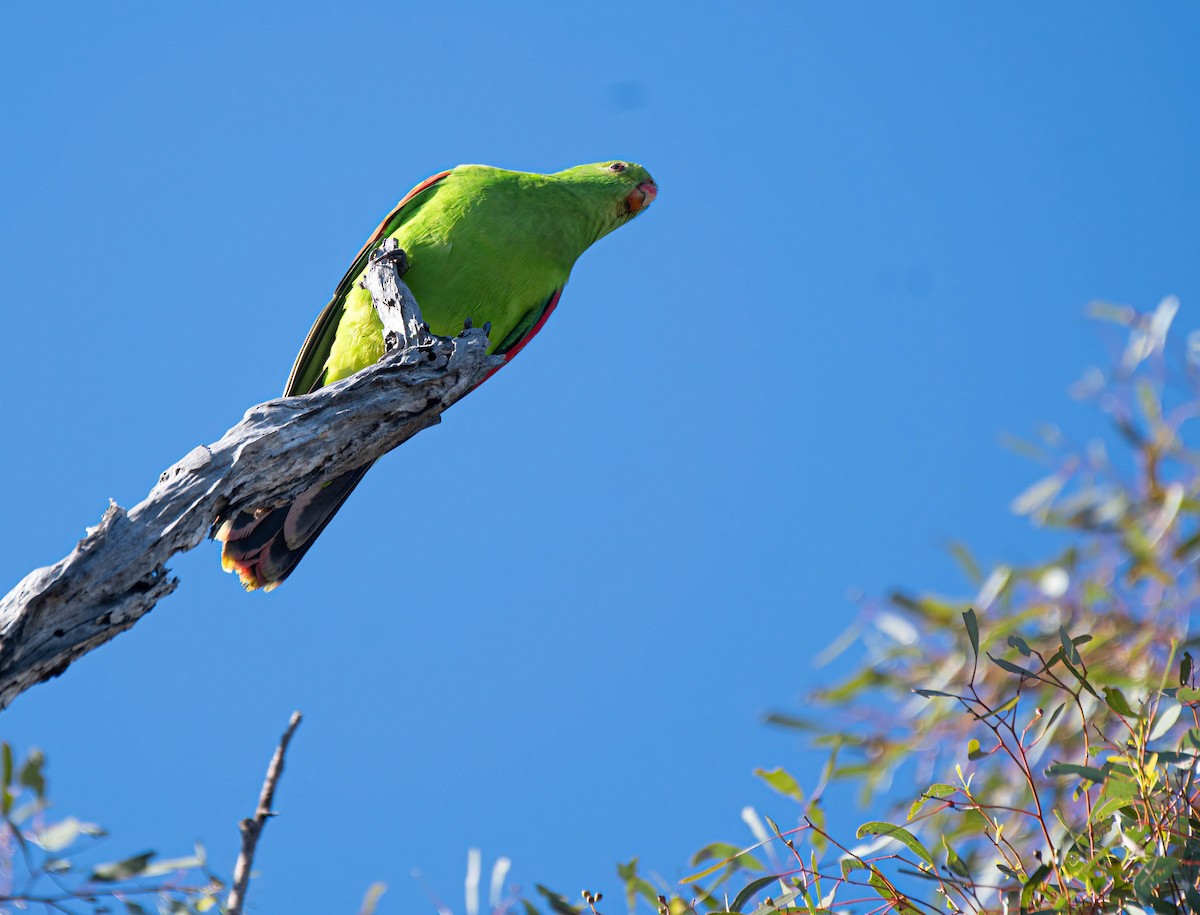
(483, 244)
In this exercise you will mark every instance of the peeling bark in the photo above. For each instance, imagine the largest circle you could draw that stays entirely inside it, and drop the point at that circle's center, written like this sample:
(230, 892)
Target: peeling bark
(117, 572)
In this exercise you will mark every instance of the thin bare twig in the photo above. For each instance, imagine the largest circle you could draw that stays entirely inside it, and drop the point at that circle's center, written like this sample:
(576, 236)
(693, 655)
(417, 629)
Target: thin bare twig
(252, 828)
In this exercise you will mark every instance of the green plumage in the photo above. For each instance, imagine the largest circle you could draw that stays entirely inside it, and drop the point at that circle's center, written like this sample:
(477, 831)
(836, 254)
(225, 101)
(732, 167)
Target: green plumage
(482, 243)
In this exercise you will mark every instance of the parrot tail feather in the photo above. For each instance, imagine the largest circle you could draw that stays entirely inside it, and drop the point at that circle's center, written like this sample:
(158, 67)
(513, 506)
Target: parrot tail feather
(263, 547)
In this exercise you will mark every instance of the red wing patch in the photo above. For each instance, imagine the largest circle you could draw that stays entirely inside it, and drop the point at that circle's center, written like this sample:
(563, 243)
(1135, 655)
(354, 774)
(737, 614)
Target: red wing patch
(551, 304)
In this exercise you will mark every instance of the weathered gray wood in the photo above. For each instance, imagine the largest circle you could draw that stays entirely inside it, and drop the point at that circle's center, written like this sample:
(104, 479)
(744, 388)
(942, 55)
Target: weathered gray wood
(252, 827)
(117, 572)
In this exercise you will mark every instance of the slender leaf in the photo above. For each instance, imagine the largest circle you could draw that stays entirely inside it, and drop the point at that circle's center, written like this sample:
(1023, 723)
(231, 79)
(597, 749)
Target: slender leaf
(1117, 702)
(31, 775)
(972, 624)
(782, 781)
(1009, 666)
(1070, 652)
(1020, 644)
(1036, 879)
(901, 835)
(1091, 773)
(934, 693)
(939, 790)
(116, 871)
(1168, 714)
(749, 891)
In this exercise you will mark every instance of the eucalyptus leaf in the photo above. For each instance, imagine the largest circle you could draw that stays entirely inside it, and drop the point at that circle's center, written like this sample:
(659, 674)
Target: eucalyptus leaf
(1168, 714)
(899, 834)
(126, 869)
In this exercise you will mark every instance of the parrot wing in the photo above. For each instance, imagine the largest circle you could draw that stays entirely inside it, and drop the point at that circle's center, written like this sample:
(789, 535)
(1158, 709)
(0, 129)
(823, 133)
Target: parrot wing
(308, 372)
(264, 547)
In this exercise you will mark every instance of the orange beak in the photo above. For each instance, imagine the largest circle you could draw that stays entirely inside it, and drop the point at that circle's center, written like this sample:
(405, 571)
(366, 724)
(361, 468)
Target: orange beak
(641, 196)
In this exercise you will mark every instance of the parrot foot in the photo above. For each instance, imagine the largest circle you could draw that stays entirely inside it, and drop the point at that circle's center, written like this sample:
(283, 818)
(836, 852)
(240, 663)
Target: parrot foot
(470, 322)
(392, 254)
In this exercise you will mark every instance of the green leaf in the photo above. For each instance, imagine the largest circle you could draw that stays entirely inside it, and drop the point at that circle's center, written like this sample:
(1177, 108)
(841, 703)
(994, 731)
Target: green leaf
(934, 693)
(1154, 874)
(6, 759)
(1083, 680)
(371, 899)
(1009, 666)
(1053, 718)
(1091, 773)
(1031, 885)
(849, 865)
(726, 854)
(1119, 792)
(635, 884)
(957, 866)
(901, 835)
(792, 722)
(749, 891)
(133, 908)
(972, 624)
(556, 902)
(1070, 652)
(1187, 694)
(116, 871)
(31, 774)
(889, 893)
(1020, 644)
(1185, 669)
(1117, 702)
(974, 752)
(170, 865)
(782, 781)
(939, 790)
(1004, 707)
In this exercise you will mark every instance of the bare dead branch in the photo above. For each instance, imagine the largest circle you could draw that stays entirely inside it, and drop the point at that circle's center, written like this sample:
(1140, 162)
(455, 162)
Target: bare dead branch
(117, 572)
(252, 828)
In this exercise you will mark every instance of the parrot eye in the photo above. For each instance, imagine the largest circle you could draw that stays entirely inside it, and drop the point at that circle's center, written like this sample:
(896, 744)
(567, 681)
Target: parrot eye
(617, 167)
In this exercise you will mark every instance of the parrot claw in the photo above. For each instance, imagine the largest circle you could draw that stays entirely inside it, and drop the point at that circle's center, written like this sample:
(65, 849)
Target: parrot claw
(487, 328)
(395, 254)
(468, 324)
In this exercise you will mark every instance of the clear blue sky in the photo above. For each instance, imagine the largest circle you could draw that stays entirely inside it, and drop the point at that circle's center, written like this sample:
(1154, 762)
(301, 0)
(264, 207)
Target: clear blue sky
(877, 228)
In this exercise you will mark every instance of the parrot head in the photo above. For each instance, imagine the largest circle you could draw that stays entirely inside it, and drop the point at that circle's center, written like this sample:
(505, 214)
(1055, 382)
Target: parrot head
(627, 186)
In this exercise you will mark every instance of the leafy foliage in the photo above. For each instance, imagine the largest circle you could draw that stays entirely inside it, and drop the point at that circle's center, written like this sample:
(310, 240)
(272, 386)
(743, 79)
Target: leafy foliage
(43, 861)
(1046, 721)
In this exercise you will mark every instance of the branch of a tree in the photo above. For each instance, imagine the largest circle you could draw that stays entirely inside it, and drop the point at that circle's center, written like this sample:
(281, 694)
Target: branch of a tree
(252, 828)
(117, 573)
